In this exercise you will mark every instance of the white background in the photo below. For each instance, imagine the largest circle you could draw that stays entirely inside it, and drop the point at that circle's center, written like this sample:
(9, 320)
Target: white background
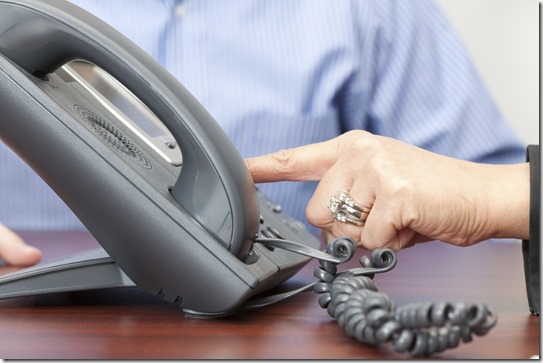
(503, 39)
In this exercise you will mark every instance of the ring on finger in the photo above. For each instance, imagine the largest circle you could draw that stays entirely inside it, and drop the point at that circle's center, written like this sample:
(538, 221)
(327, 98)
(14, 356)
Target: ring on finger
(345, 209)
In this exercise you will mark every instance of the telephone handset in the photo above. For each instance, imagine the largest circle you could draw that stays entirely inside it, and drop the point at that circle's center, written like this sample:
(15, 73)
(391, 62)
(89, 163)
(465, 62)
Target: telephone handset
(214, 184)
(185, 232)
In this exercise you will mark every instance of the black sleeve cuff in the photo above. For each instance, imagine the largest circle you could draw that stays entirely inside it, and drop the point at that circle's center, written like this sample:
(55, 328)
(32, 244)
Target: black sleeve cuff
(530, 248)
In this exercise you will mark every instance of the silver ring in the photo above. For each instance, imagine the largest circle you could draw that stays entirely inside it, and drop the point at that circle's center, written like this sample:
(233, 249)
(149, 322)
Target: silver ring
(345, 209)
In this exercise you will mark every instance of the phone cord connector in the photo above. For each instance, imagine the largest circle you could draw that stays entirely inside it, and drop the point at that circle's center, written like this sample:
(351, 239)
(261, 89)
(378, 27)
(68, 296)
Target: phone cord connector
(371, 317)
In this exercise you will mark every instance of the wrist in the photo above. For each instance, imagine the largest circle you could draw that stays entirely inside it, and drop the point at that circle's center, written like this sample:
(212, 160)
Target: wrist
(509, 200)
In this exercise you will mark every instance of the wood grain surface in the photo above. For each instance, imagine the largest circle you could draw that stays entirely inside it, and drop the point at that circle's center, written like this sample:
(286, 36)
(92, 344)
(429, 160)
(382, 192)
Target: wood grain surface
(129, 323)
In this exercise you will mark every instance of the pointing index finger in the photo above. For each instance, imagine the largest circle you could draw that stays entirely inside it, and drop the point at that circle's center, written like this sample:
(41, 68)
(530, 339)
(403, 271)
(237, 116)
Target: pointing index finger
(304, 163)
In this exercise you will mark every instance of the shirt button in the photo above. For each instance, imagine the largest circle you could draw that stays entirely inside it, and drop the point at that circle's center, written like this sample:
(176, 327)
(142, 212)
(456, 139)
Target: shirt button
(180, 10)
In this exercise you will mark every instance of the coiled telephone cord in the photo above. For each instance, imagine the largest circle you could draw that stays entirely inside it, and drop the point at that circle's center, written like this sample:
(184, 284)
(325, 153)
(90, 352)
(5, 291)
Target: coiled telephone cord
(371, 317)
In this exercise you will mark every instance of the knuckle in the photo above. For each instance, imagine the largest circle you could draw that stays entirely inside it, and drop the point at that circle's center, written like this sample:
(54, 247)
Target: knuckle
(318, 217)
(356, 142)
(370, 144)
(284, 160)
(356, 135)
(401, 189)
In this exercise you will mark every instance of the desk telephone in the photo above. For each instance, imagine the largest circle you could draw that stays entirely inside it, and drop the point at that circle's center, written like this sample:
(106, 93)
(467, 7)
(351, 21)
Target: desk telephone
(164, 191)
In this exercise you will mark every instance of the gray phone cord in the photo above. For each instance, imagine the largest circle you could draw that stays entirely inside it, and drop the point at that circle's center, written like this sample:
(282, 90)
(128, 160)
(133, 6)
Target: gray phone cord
(370, 316)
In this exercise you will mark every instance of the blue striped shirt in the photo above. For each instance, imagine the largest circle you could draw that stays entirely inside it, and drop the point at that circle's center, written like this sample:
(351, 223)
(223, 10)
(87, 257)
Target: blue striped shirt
(281, 73)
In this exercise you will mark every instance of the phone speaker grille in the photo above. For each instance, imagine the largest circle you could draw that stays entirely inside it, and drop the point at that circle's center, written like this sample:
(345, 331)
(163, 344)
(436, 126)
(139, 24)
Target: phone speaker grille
(113, 137)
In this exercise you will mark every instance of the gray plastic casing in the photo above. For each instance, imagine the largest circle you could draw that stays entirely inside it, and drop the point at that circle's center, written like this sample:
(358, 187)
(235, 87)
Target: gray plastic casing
(186, 235)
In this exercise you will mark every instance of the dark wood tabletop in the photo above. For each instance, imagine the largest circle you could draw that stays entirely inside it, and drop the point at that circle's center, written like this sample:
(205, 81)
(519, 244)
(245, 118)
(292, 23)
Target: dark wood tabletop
(129, 323)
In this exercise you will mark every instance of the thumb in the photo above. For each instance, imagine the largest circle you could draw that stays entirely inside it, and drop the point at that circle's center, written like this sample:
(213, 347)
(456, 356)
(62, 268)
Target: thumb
(14, 251)
(304, 163)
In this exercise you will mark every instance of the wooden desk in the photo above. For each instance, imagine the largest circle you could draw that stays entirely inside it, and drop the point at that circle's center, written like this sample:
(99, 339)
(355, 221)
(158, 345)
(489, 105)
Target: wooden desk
(129, 323)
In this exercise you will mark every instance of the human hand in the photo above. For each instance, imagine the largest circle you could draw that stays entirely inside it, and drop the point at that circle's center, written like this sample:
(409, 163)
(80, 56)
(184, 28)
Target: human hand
(414, 195)
(14, 251)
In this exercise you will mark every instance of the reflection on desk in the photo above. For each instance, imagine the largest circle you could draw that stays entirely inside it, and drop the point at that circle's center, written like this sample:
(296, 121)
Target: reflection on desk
(129, 323)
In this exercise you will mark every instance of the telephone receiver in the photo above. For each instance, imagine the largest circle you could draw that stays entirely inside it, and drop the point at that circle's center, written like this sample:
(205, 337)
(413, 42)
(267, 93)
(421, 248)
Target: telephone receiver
(182, 226)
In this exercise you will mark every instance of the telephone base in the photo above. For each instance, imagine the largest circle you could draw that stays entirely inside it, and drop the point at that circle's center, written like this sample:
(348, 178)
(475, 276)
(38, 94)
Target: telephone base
(88, 270)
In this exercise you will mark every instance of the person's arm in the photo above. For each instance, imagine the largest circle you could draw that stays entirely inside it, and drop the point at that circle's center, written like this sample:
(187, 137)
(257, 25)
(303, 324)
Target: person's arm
(14, 251)
(414, 195)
